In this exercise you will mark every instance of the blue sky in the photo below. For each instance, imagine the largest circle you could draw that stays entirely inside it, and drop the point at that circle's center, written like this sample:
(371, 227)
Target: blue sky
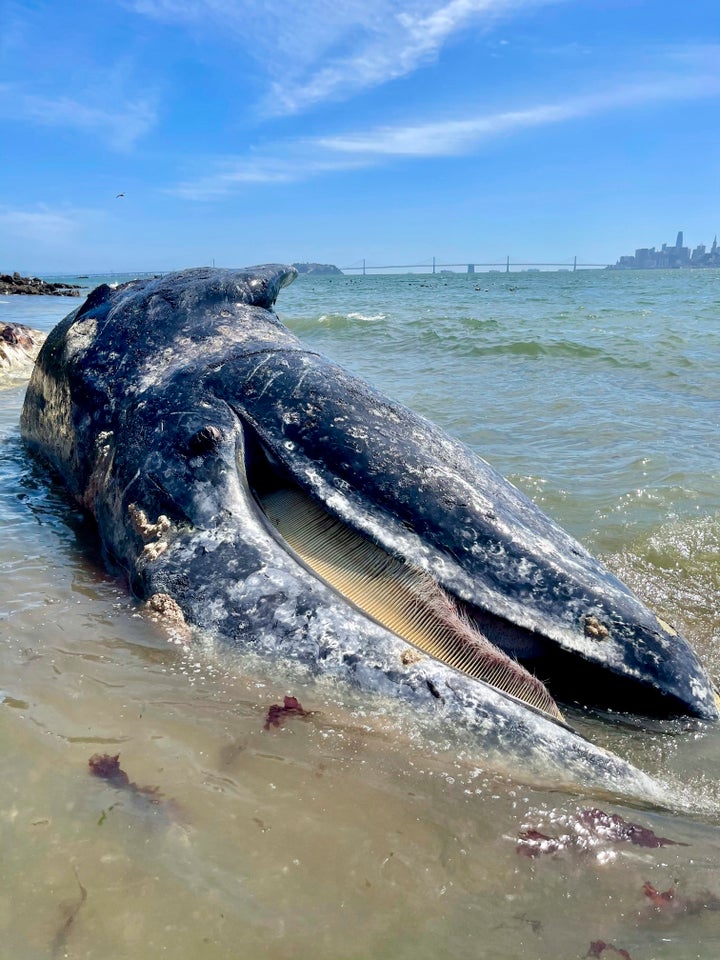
(242, 131)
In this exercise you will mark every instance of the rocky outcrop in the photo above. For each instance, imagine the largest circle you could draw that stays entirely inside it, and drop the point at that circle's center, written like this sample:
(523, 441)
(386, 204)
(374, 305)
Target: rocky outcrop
(318, 269)
(14, 283)
(19, 346)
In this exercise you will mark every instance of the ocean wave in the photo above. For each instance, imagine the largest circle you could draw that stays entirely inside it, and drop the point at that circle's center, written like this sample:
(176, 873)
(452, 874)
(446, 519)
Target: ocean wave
(538, 349)
(331, 321)
(365, 318)
(676, 569)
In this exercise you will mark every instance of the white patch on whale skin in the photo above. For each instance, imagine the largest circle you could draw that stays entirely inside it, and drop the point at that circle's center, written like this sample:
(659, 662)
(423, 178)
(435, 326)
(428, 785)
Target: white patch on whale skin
(474, 497)
(701, 692)
(80, 337)
(268, 581)
(160, 367)
(357, 432)
(217, 611)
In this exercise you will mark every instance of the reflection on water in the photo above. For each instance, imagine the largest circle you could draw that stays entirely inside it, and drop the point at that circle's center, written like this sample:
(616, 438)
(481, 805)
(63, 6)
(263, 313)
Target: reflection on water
(341, 833)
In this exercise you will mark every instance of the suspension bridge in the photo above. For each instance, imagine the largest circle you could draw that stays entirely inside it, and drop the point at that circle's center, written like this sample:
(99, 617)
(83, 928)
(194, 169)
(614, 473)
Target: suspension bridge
(506, 265)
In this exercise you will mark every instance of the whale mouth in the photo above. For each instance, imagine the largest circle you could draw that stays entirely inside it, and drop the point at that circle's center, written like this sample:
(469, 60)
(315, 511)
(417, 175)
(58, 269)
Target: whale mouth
(398, 596)
(386, 588)
(389, 590)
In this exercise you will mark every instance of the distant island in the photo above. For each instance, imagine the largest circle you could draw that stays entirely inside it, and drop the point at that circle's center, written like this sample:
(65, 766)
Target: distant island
(14, 283)
(318, 269)
(673, 258)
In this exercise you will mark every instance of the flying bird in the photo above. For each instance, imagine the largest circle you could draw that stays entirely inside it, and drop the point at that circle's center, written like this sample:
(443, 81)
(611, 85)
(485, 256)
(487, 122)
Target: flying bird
(119, 195)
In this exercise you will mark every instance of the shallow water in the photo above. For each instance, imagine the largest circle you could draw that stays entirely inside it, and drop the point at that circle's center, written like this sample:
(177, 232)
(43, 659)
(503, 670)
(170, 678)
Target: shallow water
(350, 832)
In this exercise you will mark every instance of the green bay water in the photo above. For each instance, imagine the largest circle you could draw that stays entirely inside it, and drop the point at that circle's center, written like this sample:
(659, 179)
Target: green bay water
(352, 832)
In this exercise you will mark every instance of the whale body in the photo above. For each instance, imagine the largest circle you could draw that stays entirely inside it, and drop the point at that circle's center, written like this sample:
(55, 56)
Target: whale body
(279, 503)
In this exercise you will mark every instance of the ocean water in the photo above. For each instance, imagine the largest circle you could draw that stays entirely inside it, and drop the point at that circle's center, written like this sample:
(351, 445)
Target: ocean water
(346, 833)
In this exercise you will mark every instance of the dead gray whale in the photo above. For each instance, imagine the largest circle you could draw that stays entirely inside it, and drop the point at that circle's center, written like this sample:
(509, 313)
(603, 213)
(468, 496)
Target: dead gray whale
(284, 505)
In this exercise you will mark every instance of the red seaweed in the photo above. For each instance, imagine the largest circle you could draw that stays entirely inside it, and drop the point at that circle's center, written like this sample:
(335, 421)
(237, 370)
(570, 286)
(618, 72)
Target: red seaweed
(108, 768)
(669, 901)
(664, 900)
(532, 843)
(612, 826)
(277, 714)
(586, 830)
(599, 947)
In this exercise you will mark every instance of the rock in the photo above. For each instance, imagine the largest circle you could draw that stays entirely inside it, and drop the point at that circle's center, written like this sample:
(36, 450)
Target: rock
(14, 283)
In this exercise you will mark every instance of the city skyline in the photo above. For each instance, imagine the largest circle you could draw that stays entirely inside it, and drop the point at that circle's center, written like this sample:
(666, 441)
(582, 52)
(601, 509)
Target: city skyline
(677, 256)
(173, 133)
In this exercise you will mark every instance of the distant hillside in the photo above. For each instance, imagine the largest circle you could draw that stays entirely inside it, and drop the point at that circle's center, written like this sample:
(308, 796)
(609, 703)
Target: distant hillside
(319, 269)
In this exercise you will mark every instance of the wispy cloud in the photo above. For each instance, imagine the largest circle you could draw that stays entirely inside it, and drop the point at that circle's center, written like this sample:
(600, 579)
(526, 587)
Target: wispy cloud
(452, 137)
(298, 160)
(322, 50)
(39, 223)
(408, 40)
(120, 126)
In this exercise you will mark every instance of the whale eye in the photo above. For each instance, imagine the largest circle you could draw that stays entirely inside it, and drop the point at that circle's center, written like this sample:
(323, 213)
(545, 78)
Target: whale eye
(397, 595)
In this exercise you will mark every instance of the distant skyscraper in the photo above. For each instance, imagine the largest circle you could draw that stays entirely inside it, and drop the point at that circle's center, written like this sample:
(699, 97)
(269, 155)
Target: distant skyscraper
(672, 258)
